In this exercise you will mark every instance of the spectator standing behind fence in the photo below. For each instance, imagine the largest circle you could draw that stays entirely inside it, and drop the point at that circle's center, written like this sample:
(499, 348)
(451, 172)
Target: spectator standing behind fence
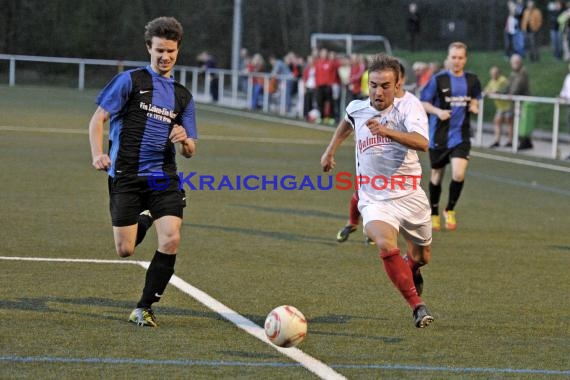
(256, 67)
(364, 81)
(563, 31)
(531, 24)
(208, 62)
(423, 75)
(510, 29)
(413, 24)
(323, 77)
(344, 75)
(555, 8)
(498, 84)
(310, 88)
(336, 85)
(518, 38)
(565, 95)
(296, 64)
(244, 61)
(357, 69)
(519, 84)
(280, 69)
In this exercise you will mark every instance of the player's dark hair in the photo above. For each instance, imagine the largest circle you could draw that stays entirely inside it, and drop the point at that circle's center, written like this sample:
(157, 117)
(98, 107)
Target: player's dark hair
(381, 62)
(163, 27)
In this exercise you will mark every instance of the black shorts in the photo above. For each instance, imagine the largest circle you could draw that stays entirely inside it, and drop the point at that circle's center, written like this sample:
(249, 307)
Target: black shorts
(441, 157)
(130, 196)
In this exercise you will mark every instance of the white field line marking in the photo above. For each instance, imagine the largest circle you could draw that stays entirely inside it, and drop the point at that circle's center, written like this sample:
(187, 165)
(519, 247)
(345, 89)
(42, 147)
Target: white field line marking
(91, 261)
(268, 140)
(268, 118)
(511, 160)
(75, 131)
(317, 367)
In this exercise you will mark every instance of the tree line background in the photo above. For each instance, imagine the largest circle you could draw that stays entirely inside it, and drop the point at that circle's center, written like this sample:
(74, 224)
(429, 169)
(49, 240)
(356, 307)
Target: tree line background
(113, 29)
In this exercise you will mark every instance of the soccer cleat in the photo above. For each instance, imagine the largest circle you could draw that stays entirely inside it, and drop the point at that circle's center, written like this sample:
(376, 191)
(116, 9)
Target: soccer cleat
(422, 317)
(435, 223)
(369, 241)
(450, 222)
(143, 317)
(342, 235)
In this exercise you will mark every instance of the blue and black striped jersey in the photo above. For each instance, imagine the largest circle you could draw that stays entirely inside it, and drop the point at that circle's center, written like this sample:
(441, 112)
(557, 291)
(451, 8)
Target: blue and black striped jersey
(450, 92)
(144, 107)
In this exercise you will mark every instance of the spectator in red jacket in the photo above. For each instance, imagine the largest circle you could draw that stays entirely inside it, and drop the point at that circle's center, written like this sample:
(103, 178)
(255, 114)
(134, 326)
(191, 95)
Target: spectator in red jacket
(357, 69)
(323, 67)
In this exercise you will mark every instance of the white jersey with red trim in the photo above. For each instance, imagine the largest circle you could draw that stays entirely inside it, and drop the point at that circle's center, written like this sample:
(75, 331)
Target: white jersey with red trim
(386, 168)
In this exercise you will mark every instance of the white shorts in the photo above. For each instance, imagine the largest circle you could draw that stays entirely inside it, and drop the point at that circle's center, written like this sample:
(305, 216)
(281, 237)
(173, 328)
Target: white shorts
(410, 215)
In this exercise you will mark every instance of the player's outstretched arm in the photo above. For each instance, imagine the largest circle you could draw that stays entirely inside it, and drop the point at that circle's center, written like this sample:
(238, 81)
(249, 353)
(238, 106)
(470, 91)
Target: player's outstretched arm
(100, 160)
(343, 130)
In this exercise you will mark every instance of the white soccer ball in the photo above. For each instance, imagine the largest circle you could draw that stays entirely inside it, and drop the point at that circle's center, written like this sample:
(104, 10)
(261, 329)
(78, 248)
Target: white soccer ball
(314, 116)
(285, 326)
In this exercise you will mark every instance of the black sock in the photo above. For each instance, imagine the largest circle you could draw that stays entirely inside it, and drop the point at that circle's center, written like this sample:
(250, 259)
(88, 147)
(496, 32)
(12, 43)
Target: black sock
(158, 274)
(144, 224)
(434, 194)
(454, 193)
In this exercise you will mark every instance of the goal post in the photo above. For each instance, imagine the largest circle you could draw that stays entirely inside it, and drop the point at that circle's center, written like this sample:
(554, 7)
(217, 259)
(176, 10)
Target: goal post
(351, 43)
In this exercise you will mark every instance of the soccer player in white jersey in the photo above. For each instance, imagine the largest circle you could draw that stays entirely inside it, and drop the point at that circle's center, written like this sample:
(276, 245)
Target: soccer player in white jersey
(409, 107)
(388, 172)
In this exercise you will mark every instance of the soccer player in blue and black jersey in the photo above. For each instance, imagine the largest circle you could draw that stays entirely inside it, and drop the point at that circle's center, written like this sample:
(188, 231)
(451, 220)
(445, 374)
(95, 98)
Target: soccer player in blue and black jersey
(449, 98)
(150, 113)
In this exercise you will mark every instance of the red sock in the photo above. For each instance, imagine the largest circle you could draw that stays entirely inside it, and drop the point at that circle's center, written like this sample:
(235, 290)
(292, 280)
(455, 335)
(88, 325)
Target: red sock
(401, 276)
(354, 214)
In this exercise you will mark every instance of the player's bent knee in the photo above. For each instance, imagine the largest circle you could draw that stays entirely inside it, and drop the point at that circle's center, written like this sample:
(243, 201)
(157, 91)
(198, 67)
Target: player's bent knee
(459, 177)
(125, 250)
(170, 243)
(425, 254)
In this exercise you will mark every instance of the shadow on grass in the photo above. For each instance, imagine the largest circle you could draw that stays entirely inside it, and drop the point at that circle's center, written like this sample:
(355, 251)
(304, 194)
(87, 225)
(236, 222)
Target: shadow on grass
(50, 305)
(42, 304)
(277, 235)
(560, 247)
(384, 339)
(290, 211)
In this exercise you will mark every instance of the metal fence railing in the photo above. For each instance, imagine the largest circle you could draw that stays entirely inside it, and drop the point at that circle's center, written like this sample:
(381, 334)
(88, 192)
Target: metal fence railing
(270, 93)
(207, 85)
(518, 100)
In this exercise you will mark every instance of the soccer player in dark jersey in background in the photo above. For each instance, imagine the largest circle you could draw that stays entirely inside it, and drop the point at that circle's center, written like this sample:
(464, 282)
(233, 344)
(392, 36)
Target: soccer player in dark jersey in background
(149, 113)
(450, 97)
